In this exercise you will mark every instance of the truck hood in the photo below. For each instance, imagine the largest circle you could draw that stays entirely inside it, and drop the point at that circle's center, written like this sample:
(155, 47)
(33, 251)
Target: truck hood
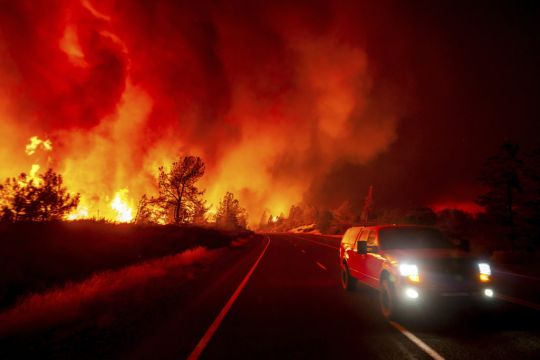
(401, 255)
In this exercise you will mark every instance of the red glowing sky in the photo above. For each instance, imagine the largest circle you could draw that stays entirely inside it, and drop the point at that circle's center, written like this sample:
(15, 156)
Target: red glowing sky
(285, 101)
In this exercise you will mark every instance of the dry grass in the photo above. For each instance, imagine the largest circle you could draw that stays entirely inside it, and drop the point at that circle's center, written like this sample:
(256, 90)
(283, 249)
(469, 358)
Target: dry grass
(35, 257)
(40, 311)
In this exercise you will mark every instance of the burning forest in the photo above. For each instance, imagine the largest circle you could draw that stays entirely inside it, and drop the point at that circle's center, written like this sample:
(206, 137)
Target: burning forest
(89, 92)
(286, 103)
(187, 178)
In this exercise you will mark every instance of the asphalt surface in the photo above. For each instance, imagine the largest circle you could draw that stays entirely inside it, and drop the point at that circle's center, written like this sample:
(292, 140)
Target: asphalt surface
(293, 307)
(288, 306)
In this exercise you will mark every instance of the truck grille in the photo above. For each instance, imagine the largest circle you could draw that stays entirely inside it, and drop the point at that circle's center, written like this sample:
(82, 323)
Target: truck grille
(450, 273)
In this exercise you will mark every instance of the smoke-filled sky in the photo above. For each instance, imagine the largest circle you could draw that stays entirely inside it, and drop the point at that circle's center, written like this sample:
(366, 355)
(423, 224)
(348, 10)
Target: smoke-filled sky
(286, 101)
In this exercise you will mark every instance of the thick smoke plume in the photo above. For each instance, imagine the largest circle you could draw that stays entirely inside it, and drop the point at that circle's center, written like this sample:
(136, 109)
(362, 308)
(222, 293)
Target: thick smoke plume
(269, 94)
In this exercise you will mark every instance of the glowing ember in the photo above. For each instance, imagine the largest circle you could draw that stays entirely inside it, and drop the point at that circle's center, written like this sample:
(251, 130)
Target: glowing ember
(124, 213)
(35, 143)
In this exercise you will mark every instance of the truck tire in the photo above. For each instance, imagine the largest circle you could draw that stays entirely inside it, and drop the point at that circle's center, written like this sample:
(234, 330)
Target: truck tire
(347, 281)
(388, 300)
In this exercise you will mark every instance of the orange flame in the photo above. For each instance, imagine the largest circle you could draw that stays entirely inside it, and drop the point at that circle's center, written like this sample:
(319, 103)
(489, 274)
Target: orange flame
(124, 213)
(80, 213)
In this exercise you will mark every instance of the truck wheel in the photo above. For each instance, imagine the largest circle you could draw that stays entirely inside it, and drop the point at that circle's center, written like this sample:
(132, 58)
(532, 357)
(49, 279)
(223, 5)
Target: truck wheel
(347, 281)
(388, 300)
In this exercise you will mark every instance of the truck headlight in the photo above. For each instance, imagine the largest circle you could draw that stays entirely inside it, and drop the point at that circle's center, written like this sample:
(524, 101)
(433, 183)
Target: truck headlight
(411, 293)
(484, 272)
(410, 271)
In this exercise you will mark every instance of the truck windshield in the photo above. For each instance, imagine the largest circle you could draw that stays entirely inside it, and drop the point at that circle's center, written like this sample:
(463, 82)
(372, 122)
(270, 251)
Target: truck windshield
(413, 238)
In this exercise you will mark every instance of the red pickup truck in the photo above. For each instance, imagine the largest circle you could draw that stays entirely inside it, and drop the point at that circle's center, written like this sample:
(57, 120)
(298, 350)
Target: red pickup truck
(411, 266)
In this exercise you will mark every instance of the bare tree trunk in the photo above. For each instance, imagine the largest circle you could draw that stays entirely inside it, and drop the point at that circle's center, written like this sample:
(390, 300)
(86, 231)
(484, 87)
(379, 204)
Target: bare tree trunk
(178, 206)
(177, 213)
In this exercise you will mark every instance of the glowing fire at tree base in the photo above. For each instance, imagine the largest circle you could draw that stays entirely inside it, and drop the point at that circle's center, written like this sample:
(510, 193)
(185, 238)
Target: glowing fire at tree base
(120, 205)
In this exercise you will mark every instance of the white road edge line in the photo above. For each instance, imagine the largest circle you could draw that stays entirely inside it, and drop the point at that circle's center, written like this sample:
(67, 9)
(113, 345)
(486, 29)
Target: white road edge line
(517, 301)
(201, 345)
(422, 345)
(320, 265)
(315, 242)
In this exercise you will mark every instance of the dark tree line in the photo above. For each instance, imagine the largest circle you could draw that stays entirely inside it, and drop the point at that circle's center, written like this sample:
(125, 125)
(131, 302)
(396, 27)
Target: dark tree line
(512, 197)
(511, 202)
(43, 198)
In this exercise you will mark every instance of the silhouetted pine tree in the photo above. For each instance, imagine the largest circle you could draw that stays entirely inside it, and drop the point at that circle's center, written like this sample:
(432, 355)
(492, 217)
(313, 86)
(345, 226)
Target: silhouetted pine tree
(178, 192)
(230, 214)
(41, 199)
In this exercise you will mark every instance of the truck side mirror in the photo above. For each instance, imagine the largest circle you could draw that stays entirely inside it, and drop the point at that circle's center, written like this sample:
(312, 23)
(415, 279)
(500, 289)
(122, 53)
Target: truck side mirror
(361, 247)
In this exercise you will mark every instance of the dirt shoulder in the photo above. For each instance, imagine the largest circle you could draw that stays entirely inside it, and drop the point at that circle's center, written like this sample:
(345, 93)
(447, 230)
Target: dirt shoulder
(113, 312)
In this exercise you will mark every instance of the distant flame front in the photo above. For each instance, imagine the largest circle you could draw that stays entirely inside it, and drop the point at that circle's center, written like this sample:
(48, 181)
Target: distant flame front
(122, 210)
(120, 204)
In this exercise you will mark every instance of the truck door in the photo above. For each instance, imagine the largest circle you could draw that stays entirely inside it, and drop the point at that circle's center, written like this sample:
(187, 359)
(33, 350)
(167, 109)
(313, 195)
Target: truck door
(373, 260)
(349, 243)
(356, 260)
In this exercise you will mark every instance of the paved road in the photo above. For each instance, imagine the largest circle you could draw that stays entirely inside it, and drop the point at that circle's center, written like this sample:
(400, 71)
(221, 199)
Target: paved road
(286, 304)
(293, 307)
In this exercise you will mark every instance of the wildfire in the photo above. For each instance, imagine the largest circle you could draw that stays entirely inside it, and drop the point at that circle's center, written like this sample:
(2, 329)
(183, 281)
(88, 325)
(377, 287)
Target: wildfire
(212, 212)
(122, 211)
(83, 74)
(80, 213)
(34, 174)
(35, 143)
(120, 205)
